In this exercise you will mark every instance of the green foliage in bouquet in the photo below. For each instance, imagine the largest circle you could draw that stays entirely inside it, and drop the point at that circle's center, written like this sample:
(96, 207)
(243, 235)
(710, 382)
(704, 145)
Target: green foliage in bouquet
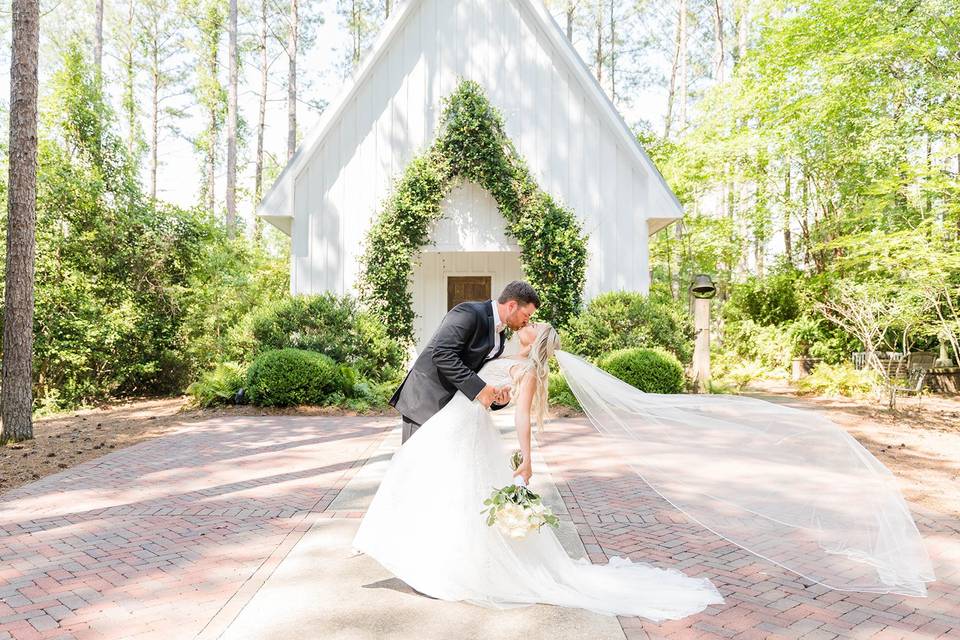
(517, 509)
(472, 145)
(650, 370)
(516, 495)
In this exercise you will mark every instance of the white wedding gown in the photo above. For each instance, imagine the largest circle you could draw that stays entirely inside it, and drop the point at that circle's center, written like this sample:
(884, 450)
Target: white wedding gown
(424, 526)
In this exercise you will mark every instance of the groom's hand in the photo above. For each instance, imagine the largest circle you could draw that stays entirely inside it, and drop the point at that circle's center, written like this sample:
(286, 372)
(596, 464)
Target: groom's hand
(487, 395)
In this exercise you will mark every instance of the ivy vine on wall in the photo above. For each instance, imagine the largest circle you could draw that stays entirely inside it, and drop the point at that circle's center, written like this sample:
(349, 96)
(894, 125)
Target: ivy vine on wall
(472, 145)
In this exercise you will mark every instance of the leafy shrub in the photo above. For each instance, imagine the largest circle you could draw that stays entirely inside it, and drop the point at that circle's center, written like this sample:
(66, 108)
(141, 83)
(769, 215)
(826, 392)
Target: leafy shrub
(289, 377)
(816, 338)
(767, 300)
(331, 325)
(369, 395)
(218, 386)
(769, 345)
(740, 374)
(842, 379)
(560, 393)
(650, 370)
(132, 296)
(620, 320)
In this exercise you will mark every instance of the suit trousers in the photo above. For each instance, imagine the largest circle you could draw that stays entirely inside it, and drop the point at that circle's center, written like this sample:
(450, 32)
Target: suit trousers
(409, 427)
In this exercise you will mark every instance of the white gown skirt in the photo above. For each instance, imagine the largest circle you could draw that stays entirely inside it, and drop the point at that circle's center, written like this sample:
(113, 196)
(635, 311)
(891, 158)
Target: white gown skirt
(424, 526)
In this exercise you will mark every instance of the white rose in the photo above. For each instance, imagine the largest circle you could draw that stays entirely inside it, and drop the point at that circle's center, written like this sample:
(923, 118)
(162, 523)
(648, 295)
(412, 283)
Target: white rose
(508, 521)
(513, 511)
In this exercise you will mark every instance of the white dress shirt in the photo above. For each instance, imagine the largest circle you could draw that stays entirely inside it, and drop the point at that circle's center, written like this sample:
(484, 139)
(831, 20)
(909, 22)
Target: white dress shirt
(497, 328)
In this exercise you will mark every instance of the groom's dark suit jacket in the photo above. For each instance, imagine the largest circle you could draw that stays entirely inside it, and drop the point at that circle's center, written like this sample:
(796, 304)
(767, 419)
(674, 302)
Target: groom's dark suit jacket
(449, 362)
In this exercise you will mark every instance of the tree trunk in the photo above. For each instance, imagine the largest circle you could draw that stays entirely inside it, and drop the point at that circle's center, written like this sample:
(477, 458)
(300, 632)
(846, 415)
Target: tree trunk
(130, 99)
(718, 42)
(386, 9)
(613, 53)
(742, 27)
(571, 7)
(787, 239)
(673, 74)
(928, 201)
(292, 83)
(154, 112)
(98, 41)
(261, 122)
(16, 394)
(683, 64)
(232, 121)
(355, 19)
(212, 162)
(598, 58)
(805, 217)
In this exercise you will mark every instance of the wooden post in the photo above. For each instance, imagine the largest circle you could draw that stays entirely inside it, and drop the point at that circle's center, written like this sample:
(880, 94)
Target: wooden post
(701, 349)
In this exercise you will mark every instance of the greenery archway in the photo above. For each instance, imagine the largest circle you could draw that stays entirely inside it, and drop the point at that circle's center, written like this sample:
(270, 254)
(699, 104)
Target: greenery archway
(472, 145)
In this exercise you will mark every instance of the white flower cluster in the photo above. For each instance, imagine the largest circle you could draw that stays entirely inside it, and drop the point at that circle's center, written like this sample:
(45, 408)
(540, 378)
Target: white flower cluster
(517, 521)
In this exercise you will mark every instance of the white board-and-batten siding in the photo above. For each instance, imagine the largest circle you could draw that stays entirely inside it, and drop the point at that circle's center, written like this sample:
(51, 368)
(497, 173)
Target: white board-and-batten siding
(574, 152)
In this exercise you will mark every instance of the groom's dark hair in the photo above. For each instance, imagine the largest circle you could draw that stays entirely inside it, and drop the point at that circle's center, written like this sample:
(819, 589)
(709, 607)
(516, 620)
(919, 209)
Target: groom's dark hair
(520, 291)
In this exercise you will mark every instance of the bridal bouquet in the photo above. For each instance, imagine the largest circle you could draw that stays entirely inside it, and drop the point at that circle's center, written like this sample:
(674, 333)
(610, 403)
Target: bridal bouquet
(517, 510)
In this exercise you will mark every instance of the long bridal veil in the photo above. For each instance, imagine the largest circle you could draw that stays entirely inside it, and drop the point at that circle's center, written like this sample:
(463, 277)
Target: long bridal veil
(785, 484)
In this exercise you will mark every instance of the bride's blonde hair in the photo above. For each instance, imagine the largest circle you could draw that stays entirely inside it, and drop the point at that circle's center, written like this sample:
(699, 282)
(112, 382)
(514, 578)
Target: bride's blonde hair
(543, 347)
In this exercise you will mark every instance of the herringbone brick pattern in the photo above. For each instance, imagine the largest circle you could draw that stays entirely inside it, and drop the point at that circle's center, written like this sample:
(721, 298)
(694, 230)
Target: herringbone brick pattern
(152, 540)
(616, 513)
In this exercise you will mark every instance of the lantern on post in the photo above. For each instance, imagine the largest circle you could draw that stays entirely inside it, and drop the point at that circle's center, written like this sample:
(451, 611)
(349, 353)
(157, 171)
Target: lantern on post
(702, 289)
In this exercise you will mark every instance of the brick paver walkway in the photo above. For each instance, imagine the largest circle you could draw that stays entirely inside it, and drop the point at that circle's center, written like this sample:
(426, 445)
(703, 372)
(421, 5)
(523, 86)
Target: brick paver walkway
(156, 540)
(617, 514)
(153, 540)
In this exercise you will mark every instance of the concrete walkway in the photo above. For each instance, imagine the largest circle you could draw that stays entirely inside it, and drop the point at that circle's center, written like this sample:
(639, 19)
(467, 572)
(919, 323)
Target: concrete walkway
(239, 527)
(325, 590)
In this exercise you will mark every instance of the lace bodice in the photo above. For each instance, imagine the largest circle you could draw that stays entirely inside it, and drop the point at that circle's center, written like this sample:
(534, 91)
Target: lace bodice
(497, 372)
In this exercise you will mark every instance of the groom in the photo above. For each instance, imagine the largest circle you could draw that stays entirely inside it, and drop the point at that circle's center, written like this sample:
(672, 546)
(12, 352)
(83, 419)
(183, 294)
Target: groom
(471, 334)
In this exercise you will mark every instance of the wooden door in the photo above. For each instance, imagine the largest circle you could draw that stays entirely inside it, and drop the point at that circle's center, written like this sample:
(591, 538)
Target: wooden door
(467, 288)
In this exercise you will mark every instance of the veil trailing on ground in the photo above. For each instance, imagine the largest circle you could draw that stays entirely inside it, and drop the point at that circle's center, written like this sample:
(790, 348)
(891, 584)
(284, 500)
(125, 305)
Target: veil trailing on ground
(785, 484)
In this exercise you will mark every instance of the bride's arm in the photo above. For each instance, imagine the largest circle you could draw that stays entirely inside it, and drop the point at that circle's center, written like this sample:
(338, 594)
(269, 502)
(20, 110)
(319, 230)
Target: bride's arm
(521, 418)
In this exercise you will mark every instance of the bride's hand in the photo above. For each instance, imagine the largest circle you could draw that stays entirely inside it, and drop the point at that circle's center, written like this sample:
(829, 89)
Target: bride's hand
(525, 471)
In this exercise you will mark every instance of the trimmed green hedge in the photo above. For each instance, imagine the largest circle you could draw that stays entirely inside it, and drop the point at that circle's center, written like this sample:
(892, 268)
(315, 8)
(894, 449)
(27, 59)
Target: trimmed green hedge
(289, 377)
(650, 370)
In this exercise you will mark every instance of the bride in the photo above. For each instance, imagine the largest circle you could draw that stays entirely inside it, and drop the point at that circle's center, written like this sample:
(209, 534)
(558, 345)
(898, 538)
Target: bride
(425, 525)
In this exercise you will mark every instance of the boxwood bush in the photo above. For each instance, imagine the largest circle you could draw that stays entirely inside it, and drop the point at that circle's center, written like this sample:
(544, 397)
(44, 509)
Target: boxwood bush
(621, 319)
(650, 370)
(289, 377)
(331, 325)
